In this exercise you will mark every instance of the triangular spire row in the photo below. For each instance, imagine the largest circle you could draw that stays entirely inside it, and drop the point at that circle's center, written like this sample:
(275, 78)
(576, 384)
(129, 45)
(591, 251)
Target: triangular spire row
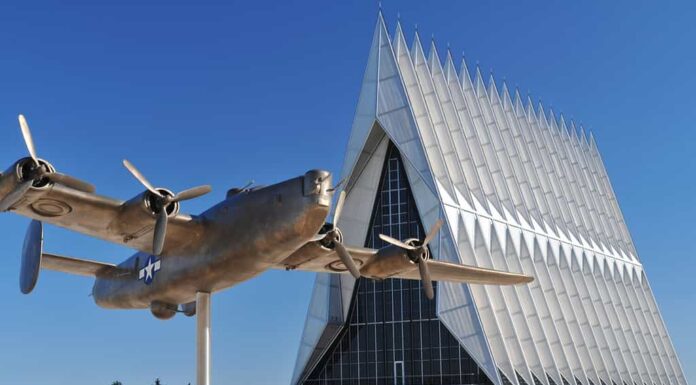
(520, 188)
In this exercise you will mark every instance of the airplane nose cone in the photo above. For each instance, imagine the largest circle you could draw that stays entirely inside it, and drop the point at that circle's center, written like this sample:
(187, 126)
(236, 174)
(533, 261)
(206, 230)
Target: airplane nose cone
(318, 183)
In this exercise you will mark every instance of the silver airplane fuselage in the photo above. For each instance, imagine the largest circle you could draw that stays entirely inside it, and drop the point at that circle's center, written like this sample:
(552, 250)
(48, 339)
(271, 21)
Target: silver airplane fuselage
(245, 235)
(182, 259)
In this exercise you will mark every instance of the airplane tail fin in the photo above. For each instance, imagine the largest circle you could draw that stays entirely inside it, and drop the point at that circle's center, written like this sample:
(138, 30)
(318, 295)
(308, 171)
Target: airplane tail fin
(34, 259)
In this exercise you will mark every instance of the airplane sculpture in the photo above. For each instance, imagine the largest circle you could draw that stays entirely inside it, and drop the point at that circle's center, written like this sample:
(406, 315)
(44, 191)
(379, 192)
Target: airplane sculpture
(182, 259)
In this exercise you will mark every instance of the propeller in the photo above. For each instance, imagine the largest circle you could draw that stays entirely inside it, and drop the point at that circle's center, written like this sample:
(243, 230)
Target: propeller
(336, 187)
(334, 237)
(161, 203)
(417, 253)
(37, 171)
(28, 140)
(339, 207)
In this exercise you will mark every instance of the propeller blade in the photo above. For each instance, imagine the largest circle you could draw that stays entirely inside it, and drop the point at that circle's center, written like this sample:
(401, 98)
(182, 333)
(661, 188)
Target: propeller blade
(433, 231)
(425, 278)
(160, 232)
(317, 238)
(396, 242)
(339, 207)
(28, 141)
(191, 193)
(347, 259)
(70, 181)
(15, 195)
(249, 184)
(141, 178)
(337, 186)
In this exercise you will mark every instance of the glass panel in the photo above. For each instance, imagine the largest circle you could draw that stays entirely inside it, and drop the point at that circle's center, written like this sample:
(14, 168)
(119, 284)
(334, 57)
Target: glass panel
(399, 373)
(393, 335)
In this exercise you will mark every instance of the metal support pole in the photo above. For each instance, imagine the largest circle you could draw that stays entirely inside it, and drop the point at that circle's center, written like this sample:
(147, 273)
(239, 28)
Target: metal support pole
(202, 338)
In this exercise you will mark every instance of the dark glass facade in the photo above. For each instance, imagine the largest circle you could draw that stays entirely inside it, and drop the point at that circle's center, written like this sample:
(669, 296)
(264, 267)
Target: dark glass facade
(393, 335)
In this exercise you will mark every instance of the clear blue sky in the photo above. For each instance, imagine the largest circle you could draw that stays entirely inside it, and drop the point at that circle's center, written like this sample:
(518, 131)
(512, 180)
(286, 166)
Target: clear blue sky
(220, 93)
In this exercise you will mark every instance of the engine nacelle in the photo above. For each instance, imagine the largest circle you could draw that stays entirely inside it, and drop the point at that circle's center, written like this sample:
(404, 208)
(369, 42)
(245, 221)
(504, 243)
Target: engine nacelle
(392, 260)
(163, 311)
(16, 172)
(189, 308)
(145, 202)
(141, 209)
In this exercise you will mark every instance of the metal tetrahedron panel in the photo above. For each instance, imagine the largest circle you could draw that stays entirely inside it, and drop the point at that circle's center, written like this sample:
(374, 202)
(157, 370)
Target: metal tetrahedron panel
(519, 189)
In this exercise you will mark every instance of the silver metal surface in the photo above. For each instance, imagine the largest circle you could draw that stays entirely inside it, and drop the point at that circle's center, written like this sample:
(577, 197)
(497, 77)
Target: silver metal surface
(31, 257)
(162, 203)
(278, 226)
(202, 338)
(519, 189)
(28, 140)
(181, 259)
(80, 266)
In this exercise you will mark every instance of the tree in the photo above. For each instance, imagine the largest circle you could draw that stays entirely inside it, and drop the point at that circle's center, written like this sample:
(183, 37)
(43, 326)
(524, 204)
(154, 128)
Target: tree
(116, 383)
(157, 381)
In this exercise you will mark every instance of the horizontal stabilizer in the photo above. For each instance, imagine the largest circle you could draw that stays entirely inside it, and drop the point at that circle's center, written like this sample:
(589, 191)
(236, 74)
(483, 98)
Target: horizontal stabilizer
(77, 266)
(34, 259)
(452, 272)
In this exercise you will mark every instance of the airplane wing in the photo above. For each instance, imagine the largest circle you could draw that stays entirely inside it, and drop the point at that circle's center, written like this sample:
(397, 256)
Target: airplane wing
(33, 188)
(452, 272)
(127, 223)
(313, 257)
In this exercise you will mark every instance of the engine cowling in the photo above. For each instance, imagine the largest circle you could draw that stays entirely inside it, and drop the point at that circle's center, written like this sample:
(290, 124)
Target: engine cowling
(162, 310)
(141, 209)
(189, 308)
(15, 174)
(146, 202)
(392, 260)
(31, 175)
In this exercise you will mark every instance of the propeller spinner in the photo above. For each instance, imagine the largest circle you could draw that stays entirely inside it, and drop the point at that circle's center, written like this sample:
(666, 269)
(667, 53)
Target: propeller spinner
(334, 238)
(417, 253)
(161, 202)
(36, 171)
